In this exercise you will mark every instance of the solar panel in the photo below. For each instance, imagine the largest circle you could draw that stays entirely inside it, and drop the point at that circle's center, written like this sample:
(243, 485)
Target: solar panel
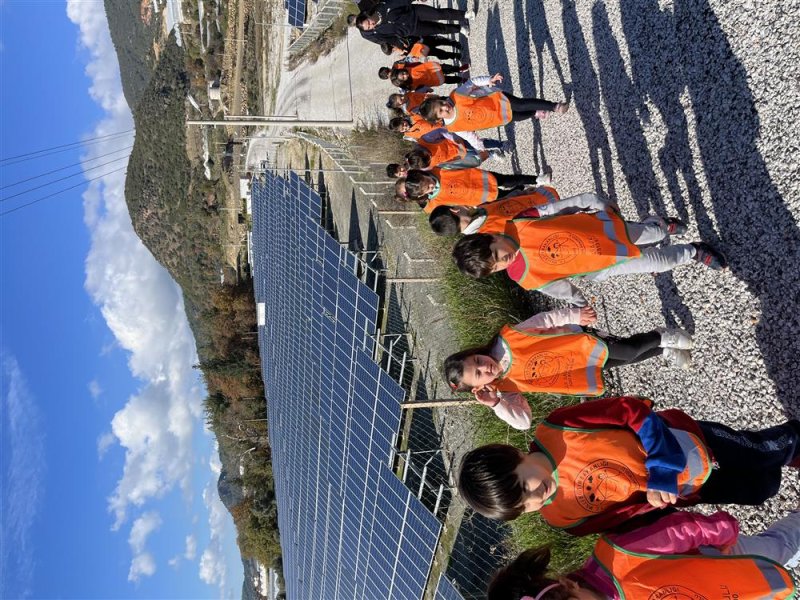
(445, 590)
(349, 527)
(297, 12)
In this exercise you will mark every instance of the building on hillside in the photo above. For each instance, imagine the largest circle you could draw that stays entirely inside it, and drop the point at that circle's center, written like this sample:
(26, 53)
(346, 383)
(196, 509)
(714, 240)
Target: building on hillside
(214, 92)
(244, 193)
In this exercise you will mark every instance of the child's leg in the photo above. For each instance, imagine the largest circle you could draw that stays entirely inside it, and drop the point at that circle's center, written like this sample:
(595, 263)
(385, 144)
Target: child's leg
(772, 447)
(633, 349)
(509, 182)
(526, 108)
(444, 55)
(490, 144)
(749, 462)
(470, 161)
(652, 260)
(431, 13)
(650, 231)
(780, 542)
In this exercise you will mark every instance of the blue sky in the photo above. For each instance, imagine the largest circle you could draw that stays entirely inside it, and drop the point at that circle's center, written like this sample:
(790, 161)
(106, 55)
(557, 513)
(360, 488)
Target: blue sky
(108, 478)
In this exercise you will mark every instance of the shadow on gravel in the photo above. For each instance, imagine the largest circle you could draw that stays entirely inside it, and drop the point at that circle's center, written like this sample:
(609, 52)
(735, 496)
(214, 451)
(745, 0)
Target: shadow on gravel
(685, 53)
(532, 28)
(619, 97)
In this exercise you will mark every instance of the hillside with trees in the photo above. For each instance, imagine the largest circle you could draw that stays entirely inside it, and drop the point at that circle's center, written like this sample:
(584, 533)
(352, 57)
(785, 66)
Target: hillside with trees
(174, 210)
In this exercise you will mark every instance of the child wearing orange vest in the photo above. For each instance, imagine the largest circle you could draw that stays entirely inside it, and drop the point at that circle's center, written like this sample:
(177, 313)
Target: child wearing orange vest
(416, 75)
(681, 556)
(478, 104)
(490, 217)
(470, 187)
(412, 126)
(551, 352)
(546, 248)
(606, 465)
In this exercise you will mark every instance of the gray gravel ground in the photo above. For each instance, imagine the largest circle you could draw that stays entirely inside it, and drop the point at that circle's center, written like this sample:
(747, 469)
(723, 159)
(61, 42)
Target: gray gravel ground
(686, 108)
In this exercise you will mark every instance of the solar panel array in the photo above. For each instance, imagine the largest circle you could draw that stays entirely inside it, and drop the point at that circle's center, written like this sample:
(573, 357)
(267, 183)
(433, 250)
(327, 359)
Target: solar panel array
(445, 590)
(349, 527)
(297, 12)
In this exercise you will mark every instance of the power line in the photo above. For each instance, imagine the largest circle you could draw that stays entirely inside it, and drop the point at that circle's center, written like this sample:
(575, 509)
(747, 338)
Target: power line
(13, 160)
(80, 163)
(8, 212)
(38, 187)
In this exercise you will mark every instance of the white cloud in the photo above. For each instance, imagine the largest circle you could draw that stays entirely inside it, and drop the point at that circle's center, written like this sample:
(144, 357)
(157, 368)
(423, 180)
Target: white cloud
(191, 548)
(213, 566)
(141, 305)
(94, 389)
(23, 446)
(144, 310)
(104, 442)
(175, 561)
(143, 563)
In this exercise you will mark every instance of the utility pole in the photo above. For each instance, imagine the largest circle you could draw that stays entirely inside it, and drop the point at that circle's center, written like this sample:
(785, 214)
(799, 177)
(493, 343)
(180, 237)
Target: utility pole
(275, 120)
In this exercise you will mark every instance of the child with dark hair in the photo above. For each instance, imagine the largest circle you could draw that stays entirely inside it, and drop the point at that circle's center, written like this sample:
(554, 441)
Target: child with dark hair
(552, 353)
(478, 104)
(425, 46)
(396, 170)
(412, 126)
(608, 464)
(407, 102)
(416, 75)
(546, 248)
(469, 187)
(681, 555)
(491, 217)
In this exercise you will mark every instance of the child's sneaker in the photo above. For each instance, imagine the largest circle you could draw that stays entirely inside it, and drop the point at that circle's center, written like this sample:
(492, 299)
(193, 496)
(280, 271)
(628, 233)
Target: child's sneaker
(708, 256)
(682, 359)
(561, 108)
(469, 15)
(508, 146)
(465, 29)
(676, 226)
(464, 68)
(675, 338)
(544, 179)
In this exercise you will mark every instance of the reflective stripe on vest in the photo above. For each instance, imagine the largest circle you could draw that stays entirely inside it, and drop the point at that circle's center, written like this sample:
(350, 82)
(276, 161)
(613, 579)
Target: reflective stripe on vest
(647, 576)
(602, 468)
(444, 150)
(562, 363)
(499, 212)
(564, 246)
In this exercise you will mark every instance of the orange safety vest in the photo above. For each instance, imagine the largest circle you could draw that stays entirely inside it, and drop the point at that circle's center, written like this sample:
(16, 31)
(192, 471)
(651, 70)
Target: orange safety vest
(427, 73)
(418, 50)
(419, 127)
(563, 246)
(413, 100)
(480, 112)
(462, 187)
(444, 150)
(499, 212)
(597, 469)
(643, 576)
(561, 363)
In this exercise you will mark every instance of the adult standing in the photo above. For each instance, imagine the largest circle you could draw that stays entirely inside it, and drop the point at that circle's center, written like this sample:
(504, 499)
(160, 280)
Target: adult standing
(394, 21)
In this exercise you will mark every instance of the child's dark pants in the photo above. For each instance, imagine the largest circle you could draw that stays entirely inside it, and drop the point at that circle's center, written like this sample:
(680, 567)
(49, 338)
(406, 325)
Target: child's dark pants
(525, 108)
(507, 183)
(633, 349)
(749, 462)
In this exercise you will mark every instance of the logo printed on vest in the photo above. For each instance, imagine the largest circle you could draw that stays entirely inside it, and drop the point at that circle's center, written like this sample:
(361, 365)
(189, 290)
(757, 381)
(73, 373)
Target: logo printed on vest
(545, 367)
(511, 209)
(560, 248)
(675, 592)
(603, 481)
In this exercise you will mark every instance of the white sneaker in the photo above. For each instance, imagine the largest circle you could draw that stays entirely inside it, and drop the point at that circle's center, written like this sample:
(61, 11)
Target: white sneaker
(682, 359)
(544, 179)
(675, 338)
(465, 29)
(469, 15)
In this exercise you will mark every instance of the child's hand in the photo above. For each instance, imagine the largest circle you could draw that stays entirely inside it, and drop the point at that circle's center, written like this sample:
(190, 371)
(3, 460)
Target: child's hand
(660, 499)
(487, 395)
(496, 78)
(588, 315)
(483, 154)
